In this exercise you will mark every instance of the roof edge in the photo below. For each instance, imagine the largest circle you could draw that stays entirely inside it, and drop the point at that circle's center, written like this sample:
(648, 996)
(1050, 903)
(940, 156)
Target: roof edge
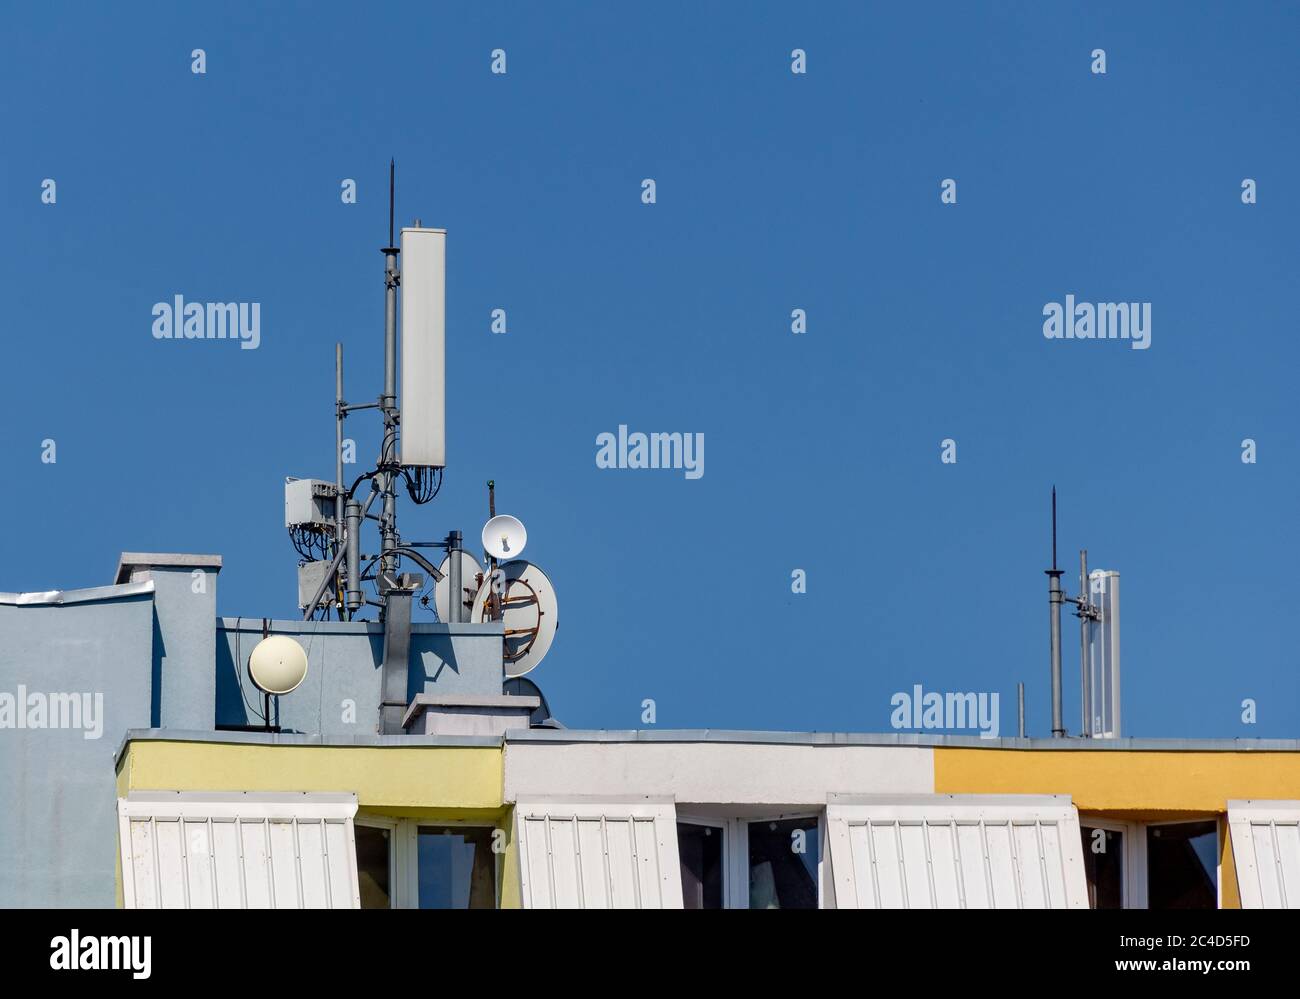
(162, 560)
(63, 597)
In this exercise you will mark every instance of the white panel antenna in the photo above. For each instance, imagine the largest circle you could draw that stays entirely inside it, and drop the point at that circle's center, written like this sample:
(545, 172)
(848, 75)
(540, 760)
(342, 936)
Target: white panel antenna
(1103, 655)
(423, 367)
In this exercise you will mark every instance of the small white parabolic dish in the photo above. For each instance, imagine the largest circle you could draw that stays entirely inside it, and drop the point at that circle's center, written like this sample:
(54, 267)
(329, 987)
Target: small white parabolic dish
(504, 537)
(277, 664)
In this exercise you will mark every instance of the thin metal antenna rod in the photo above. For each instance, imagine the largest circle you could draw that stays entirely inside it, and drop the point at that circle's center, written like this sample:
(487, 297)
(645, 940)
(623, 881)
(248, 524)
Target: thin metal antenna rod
(392, 184)
(338, 442)
(1054, 598)
(339, 499)
(1053, 527)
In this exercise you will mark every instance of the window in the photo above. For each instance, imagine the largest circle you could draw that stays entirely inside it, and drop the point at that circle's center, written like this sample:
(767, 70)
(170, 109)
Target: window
(701, 852)
(1133, 865)
(375, 866)
(783, 864)
(741, 863)
(457, 869)
(1182, 865)
(402, 864)
(1104, 866)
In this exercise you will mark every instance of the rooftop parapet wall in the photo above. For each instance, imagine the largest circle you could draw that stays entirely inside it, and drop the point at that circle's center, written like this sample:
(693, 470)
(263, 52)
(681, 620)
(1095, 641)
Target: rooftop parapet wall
(341, 693)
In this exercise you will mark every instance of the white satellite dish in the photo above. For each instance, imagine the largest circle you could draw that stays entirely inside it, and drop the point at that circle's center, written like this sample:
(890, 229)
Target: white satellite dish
(504, 537)
(528, 610)
(277, 664)
(469, 570)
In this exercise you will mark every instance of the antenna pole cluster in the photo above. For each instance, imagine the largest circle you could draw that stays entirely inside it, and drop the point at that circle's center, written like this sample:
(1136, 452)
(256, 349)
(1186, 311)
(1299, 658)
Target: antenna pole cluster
(1086, 613)
(328, 539)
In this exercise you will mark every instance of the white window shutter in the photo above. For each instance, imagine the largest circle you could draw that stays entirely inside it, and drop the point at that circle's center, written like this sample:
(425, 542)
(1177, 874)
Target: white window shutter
(956, 852)
(598, 855)
(1266, 849)
(201, 850)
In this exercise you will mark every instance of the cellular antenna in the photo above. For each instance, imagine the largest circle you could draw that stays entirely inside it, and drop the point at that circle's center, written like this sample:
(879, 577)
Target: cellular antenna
(337, 574)
(1098, 645)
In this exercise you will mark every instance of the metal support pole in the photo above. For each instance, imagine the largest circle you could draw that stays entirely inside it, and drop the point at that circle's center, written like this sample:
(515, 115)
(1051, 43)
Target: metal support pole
(338, 443)
(455, 612)
(1020, 713)
(1085, 608)
(1054, 597)
(388, 402)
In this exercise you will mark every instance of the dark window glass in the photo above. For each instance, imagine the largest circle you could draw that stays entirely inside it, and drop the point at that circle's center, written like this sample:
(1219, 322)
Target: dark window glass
(783, 864)
(1103, 865)
(373, 867)
(700, 848)
(1182, 865)
(457, 869)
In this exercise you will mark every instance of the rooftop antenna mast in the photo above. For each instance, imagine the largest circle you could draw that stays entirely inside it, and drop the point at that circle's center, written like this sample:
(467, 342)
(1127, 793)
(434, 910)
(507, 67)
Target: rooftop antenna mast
(389, 461)
(1089, 614)
(336, 512)
(1054, 598)
(326, 518)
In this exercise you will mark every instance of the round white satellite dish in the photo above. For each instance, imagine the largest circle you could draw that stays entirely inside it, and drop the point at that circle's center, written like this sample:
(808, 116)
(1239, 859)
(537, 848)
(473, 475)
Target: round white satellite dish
(504, 537)
(277, 664)
(469, 570)
(529, 612)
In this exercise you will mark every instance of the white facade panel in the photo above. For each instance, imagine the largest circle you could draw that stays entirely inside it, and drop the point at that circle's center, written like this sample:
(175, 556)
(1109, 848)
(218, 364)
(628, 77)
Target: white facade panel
(238, 851)
(709, 772)
(956, 852)
(1266, 848)
(423, 354)
(598, 855)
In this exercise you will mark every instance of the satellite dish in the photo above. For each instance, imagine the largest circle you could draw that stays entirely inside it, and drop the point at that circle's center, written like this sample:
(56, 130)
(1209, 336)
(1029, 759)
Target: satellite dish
(521, 686)
(504, 537)
(469, 569)
(528, 610)
(277, 664)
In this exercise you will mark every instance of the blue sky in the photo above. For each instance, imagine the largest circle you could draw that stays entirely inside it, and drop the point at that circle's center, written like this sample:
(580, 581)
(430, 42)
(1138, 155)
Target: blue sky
(775, 191)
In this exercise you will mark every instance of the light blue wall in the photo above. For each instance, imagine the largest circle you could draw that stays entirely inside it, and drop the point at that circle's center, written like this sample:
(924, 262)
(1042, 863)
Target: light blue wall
(341, 693)
(58, 826)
